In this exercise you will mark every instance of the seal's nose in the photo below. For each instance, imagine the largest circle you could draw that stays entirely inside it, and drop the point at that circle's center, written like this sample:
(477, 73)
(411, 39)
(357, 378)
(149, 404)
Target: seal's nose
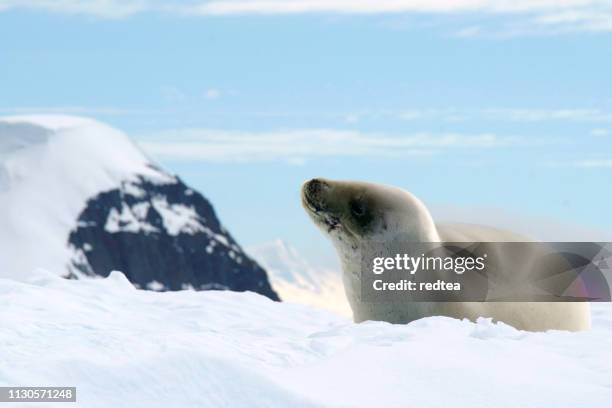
(314, 190)
(314, 187)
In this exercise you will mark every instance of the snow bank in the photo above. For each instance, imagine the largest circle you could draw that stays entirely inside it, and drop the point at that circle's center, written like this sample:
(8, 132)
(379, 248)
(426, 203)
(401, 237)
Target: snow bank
(125, 347)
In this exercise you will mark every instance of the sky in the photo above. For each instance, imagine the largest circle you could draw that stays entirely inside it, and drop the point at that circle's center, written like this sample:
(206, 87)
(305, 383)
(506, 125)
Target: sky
(492, 112)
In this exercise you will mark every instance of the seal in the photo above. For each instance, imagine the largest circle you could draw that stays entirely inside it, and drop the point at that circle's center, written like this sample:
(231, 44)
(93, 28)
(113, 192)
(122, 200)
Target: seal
(356, 215)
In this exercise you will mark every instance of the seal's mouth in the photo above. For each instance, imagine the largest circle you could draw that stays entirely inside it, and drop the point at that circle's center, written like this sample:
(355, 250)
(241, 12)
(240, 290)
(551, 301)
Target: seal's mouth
(331, 222)
(310, 205)
(314, 194)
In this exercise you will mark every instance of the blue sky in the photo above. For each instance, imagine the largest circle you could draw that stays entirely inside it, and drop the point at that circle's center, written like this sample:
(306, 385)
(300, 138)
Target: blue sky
(481, 107)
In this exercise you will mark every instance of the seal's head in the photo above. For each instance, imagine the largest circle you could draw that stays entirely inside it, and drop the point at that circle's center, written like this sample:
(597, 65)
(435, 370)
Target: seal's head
(353, 213)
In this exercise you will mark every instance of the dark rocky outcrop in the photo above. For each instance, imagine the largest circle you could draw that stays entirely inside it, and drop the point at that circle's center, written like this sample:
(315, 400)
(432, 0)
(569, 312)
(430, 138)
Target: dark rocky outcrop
(162, 236)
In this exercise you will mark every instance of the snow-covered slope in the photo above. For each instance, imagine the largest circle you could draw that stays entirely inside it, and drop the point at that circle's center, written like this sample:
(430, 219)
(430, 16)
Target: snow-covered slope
(296, 280)
(79, 198)
(123, 347)
(49, 167)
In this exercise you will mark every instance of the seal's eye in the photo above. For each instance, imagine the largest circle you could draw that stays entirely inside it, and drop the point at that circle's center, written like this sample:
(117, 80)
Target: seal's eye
(358, 208)
(360, 215)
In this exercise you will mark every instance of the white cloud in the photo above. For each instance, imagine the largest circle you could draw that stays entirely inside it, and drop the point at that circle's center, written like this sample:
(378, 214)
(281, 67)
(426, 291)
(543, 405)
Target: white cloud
(78, 110)
(447, 114)
(351, 118)
(471, 31)
(99, 8)
(536, 115)
(504, 114)
(599, 132)
(173, 94)
(590, 163)
(594, 163)
(212, 93)
(297, 146)
(530, 16)
(578, 20)
(387, 6)
(220, 7)
(573, 10)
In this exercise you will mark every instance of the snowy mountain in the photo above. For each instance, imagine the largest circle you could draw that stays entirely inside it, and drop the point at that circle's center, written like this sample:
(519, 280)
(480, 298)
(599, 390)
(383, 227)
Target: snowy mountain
(296, 280)
(123, 347)
(80, 199)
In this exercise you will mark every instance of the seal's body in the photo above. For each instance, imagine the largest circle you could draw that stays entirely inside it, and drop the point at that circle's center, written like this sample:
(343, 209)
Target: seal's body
(355, 215)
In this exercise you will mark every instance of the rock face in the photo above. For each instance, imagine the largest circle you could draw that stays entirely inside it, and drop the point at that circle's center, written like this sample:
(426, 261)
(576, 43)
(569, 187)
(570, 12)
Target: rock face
(162, 236)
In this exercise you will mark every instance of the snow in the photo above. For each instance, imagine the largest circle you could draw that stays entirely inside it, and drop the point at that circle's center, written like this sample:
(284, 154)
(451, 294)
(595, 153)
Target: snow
(125, 347)
(156, 286)
(133, 190)
(296, 280)
(49, 167)
(129, 219)
(179, 218)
